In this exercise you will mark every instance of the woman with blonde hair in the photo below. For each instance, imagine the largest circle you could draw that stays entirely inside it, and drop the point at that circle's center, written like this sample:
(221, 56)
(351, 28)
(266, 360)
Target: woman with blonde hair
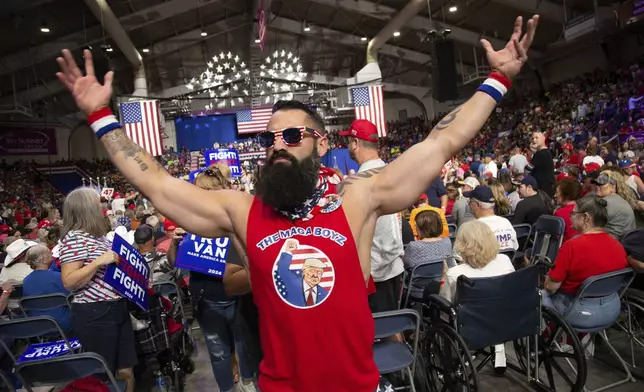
(502, 205)
(220, 302)
(100, 316)
(478, 250)
(622, 189)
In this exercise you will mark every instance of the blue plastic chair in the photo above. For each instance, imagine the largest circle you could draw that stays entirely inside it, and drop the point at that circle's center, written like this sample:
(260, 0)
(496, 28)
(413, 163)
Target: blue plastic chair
(523, 230)
(65, 369)
(389, 354)
(609, 287)
(419, 276)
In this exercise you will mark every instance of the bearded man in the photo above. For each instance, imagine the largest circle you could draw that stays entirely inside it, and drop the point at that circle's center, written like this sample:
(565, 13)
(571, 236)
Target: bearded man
(325, 344)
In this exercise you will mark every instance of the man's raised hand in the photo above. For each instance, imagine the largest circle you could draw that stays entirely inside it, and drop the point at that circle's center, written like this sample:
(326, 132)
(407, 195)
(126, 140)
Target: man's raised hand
(88, 93)
(509, 60)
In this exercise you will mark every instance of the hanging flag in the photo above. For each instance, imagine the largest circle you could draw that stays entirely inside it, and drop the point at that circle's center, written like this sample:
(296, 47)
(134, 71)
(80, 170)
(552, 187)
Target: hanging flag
(253, 120)
(141, 121)
(368, 103)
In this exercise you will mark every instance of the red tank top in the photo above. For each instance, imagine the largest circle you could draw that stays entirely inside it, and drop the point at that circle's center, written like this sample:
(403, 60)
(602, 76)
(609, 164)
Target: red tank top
(315, 324)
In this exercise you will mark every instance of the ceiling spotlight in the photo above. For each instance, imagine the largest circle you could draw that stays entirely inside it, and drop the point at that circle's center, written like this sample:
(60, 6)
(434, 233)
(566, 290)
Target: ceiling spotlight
(109, 49)
(432, 32)
(146, 50)
(307, 28)
(446, 32)
(203, 34)
(257, 40)
(396, 33)
(453, 8)
(44, 28)
(363, 39)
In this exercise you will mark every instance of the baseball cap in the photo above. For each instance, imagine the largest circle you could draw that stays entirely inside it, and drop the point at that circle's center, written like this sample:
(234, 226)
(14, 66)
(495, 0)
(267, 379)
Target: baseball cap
(603, 179)
(480, 193)
(363, 130)
(591, 167)
(626, 163)
(562, 175)
(471, 181)
(143, 234)
(529, 180)
(169, 225)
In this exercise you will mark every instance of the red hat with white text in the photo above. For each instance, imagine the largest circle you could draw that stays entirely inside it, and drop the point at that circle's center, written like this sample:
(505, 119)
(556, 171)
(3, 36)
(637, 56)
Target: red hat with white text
(363, 130)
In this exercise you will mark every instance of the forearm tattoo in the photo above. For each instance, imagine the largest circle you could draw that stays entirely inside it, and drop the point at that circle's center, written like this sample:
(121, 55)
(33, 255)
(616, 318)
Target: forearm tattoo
(117, 142)
(447, 120)
(352, 179)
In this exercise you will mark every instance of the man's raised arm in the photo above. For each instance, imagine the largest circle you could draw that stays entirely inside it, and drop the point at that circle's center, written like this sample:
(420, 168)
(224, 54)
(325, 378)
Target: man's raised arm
(398, 185)
(198, 211)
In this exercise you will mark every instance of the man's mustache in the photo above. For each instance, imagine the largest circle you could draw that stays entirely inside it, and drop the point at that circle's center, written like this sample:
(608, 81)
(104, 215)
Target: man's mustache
(281, 154)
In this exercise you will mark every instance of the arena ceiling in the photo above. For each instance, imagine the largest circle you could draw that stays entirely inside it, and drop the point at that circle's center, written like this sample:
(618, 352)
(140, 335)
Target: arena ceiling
(177, 37)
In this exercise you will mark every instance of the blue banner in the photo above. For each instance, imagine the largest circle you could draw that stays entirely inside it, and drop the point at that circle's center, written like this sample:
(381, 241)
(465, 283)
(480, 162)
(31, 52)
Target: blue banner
(47, 350)
(204, 255)
(132, 274)
(199, 132)
(229, 156)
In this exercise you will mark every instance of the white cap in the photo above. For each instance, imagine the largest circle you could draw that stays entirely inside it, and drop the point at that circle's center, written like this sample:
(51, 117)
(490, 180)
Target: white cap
(471, 181)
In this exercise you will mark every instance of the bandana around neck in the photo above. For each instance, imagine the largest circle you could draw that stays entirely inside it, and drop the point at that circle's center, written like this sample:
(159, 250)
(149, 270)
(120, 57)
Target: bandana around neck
(323, 198)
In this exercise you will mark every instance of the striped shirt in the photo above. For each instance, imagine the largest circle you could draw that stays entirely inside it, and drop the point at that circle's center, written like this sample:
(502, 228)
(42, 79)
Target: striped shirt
(81, 246)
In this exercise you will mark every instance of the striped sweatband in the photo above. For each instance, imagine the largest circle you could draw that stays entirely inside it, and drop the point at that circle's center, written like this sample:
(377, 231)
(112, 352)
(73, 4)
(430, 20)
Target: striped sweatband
(103, 122)
(496, 85)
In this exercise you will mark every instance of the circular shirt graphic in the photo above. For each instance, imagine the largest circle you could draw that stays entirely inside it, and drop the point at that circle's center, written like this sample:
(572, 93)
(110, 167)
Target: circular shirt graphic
(303, 275)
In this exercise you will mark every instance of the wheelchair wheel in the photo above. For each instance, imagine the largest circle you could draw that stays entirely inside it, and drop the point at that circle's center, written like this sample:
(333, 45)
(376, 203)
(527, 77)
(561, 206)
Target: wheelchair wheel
(448, 361)
(187, 365)
(627, 335)
(560, 354)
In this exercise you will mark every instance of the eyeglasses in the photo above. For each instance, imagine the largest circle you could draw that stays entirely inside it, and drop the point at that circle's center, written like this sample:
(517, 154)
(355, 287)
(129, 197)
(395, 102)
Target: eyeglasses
(292, 136)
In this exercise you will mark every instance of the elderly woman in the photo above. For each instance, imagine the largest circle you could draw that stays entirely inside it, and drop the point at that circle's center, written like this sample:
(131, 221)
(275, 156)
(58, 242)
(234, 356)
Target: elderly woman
(100, 314)
(42, 281)
(222, 313)
(431, 246)
(594, 252)
(478, 250)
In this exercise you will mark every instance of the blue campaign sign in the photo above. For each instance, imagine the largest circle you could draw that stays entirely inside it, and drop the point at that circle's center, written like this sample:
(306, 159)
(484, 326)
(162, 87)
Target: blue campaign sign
(205, 255)
(47, 350)
(229, 156)
(131, 276)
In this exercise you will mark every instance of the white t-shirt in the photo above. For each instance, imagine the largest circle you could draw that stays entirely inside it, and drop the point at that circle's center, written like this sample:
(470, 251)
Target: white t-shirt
(118, 205)
(518, 162)
(503, 230)
(501, 265)
(491, 168)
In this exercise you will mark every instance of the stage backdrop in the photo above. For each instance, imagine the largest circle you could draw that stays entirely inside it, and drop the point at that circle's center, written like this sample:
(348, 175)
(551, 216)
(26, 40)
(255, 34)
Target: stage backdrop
(199, 132)
(340, 159)
(31, 141)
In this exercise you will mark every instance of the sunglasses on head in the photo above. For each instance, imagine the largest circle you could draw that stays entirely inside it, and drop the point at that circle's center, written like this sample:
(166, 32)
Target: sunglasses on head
(291, 136)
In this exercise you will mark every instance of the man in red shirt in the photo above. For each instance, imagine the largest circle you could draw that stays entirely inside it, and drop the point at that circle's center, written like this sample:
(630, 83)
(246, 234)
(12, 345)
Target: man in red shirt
(297, 198)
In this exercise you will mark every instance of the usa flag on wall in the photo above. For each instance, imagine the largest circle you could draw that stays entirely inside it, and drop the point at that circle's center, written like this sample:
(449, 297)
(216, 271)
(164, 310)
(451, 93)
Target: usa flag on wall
(141, 123)
(253, 120)
(368, 103)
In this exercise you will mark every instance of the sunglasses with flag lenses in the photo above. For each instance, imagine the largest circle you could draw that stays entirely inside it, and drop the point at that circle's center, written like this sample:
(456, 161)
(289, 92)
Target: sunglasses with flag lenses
(291, 136)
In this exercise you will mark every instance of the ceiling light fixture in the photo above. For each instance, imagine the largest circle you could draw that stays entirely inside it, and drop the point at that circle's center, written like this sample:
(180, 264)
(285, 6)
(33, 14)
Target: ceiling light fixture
(453, 8)
(396, 33)
(44, 28)
(307, 28)
(203, 34)
(146, 50)
(109, 49)
(363, 39)
(257, 40)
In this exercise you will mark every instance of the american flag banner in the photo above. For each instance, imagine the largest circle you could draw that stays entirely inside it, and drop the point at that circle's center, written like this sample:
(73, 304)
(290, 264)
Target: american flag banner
(253, 120)
(141, 121)
(368, 104)
(300, 255)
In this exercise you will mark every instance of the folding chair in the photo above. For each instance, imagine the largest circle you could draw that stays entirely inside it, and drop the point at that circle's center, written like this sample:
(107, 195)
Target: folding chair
(508, 252)
(606, 289)
(523, 231)
(14, 297)
(29, 327)
(449, 219)
(547, 237)
(419, 277)
(391, 355)
(65, 369)
(42, 303)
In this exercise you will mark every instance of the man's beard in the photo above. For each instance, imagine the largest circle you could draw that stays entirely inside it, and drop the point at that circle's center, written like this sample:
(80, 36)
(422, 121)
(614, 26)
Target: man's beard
(285, 186)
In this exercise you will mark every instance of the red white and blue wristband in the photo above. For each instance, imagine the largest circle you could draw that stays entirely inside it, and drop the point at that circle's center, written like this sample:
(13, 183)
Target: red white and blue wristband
(496, 85)
(103, 121)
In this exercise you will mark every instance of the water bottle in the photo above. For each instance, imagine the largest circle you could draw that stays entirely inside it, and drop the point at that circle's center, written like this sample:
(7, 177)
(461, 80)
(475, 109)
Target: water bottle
(335, 163)
(160, 382)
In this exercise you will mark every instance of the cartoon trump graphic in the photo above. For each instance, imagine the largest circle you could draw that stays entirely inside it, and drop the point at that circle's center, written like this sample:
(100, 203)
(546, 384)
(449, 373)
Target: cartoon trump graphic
(300, 286)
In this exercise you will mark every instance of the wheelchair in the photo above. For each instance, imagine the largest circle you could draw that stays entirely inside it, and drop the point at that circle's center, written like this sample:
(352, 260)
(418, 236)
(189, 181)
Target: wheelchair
(627, 335)
(459, 337)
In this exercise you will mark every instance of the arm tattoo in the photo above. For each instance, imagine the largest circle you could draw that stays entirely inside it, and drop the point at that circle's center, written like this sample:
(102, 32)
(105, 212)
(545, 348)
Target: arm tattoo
(341, 187)
(447, 120)
(116, 141)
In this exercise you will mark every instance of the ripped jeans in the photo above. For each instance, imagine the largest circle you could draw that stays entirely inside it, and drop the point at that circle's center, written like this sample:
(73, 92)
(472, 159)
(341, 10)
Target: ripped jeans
(222, 333)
